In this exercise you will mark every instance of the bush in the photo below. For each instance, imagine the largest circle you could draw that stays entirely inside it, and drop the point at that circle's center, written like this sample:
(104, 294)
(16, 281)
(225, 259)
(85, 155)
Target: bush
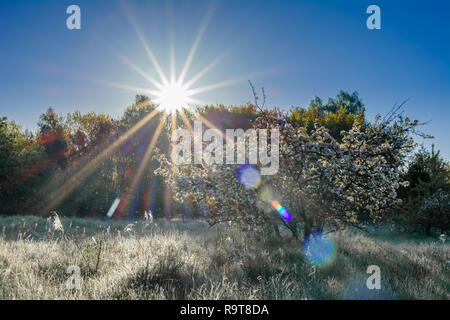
(426, 201)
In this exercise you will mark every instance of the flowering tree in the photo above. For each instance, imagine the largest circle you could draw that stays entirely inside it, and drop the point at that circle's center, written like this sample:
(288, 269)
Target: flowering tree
(324, 183)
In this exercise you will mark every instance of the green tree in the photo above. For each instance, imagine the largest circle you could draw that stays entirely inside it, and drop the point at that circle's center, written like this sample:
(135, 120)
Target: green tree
(336, 121)
(52, 136)
(22, 167)
(426, 201)
(352, 103)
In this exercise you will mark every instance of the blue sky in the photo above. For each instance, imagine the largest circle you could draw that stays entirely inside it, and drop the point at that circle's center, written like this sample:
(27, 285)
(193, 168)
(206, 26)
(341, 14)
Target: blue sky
(295, 49)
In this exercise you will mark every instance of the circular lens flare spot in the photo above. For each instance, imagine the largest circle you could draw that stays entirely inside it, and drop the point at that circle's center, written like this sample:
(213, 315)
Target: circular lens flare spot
(319, 249)
(249, 176)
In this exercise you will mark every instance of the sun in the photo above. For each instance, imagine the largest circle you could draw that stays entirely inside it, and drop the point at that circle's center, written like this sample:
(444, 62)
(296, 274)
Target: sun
(172, 97)
(172, 92)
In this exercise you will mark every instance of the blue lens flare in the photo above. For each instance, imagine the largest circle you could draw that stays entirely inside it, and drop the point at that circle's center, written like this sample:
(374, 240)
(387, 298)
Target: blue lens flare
(286, 215)
(249, 176)
(319, 249)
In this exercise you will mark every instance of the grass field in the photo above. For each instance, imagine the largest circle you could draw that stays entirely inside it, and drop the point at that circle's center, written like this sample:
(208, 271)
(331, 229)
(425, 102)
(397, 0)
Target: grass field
(189, 260)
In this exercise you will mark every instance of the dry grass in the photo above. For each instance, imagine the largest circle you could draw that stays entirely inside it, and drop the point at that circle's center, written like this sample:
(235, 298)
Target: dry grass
(180, 260)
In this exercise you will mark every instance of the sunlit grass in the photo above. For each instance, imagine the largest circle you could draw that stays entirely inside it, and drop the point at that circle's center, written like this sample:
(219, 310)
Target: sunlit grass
(189, 260)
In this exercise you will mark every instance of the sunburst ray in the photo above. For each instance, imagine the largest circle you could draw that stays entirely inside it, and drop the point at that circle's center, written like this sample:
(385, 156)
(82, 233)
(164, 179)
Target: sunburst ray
(73, 182)
(194, 48)
(204, 71)
(144, 43)
(145, 160)
(138, 70)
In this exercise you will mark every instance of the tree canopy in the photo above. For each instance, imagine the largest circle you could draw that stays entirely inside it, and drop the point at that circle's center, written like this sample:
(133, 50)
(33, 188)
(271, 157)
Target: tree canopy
(336, 168)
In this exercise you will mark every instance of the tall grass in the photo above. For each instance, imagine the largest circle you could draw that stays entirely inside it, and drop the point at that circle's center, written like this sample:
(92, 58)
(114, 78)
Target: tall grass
(189, 260)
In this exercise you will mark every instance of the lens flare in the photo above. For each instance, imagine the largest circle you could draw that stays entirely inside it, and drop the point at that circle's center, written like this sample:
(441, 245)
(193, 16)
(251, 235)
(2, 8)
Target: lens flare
(113, 208)
(284, 213)
(249, 176)
(319, 249)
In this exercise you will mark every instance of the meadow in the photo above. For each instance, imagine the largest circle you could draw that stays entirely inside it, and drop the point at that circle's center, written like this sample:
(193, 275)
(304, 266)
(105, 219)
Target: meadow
(190, 260)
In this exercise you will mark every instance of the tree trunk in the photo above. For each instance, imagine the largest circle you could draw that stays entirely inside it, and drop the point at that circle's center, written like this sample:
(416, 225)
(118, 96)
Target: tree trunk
(276, 230)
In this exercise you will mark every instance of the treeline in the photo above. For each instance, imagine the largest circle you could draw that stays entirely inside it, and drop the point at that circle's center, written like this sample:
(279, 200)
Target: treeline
(69, 165)
(64, 167)
(77, 165)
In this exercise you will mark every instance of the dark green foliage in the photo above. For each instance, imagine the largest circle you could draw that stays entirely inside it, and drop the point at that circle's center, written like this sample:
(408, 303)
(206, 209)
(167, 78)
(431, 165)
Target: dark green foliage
(21, 170)
(350, 102)
(426, 201)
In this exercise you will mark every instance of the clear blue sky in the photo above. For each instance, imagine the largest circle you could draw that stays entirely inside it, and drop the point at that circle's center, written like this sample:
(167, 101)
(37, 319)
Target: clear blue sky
(295, 49)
